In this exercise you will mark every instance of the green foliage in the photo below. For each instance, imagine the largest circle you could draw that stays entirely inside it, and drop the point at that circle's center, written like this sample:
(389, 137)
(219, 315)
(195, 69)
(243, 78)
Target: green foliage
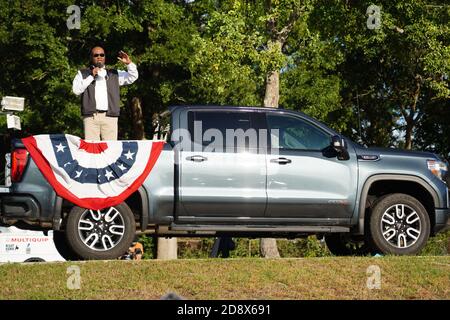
(35, 65)
(249, 248)
(149, 244)
(305, 247)
(195, 248)
(433, 132)
(222, 65)
(41, 57)
(307, 84)
(438, 245)
(219, 52)
(390, 74)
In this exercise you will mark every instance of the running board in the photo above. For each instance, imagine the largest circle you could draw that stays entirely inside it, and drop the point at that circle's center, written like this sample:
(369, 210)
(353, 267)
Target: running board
(253, 228)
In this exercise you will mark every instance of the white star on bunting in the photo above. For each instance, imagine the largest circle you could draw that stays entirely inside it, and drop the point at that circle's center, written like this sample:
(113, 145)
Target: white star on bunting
(60, 147)
(109, 174)
(129, 155)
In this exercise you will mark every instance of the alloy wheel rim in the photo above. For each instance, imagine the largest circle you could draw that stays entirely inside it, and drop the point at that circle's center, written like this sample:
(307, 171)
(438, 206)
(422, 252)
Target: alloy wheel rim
(401, 226)
(101, 230)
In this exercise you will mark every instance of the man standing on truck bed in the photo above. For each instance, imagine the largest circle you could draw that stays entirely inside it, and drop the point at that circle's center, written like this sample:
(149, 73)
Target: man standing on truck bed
(100, 94)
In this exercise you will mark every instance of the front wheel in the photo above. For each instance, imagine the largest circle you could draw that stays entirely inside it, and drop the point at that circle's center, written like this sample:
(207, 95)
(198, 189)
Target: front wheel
(399, 225)
(100, 234)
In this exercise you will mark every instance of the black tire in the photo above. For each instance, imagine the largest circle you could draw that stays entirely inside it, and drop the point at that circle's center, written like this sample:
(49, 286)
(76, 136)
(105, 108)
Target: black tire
(100, 228)
(399, 225)
(62, 246)
(341, 244)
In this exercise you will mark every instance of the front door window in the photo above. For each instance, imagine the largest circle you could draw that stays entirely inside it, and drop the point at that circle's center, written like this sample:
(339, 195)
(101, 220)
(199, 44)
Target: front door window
(291, 133)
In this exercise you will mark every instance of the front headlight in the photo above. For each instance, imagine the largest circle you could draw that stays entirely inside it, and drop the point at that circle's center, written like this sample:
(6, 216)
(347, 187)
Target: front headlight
(438, 168)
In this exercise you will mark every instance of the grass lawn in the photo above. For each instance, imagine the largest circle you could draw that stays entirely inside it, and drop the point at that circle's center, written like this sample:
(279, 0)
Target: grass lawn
(425, 277)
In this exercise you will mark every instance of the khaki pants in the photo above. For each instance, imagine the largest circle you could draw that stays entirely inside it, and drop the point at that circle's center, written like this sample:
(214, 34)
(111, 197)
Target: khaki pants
(100, 127)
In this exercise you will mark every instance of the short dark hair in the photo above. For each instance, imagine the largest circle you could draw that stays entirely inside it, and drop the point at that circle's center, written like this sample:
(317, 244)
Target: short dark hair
(96, 46)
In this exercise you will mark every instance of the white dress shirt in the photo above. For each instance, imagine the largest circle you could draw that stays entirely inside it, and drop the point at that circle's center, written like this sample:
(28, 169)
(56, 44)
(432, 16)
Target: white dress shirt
(101, 93)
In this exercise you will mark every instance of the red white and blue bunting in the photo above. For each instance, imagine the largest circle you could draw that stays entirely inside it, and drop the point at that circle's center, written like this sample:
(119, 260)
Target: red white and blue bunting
(93, 175)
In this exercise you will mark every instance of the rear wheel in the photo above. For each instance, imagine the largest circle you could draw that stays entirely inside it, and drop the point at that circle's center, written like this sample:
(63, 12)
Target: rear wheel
(100, 234)
(399, 225)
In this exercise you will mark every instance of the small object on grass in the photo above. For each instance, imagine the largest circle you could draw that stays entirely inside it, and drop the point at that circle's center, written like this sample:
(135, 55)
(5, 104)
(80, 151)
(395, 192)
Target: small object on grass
(171, 296)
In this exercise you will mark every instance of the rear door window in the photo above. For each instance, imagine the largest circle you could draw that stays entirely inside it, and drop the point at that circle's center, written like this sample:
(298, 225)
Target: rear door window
(223, 130)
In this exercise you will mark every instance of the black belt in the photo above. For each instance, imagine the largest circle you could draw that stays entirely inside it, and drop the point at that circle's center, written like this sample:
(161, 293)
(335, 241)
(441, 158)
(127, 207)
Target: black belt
(101, 111)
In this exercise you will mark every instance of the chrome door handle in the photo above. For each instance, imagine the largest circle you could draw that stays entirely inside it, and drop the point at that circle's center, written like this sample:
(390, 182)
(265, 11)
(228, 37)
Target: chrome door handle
(281, 161)
(197, 158)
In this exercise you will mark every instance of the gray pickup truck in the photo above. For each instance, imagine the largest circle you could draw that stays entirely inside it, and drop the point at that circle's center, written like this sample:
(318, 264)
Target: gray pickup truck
(251, 172)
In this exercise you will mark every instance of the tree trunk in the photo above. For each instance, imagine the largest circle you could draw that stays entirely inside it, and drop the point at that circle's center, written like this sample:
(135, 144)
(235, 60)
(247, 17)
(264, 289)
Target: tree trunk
(411, 119)
(138, 119)
(167, 248)
(272, 95)
(408, 134)
(268, 246)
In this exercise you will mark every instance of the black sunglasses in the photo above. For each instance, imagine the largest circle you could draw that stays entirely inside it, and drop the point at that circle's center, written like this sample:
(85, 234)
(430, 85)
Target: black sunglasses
(98, 55)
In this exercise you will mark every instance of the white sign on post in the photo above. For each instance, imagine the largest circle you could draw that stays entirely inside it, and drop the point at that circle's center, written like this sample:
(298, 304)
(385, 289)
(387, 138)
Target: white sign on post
(13, 122)
(13, 103)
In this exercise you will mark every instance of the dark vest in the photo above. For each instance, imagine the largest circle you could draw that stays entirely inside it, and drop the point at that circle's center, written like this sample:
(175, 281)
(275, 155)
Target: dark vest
(88, 105)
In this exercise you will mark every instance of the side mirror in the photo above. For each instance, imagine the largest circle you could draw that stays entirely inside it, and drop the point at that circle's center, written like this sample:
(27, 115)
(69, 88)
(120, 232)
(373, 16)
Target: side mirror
(340, 146)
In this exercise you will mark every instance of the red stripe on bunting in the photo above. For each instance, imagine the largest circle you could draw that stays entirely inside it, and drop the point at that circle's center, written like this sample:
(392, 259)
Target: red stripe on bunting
(89, 203)
(90, 147)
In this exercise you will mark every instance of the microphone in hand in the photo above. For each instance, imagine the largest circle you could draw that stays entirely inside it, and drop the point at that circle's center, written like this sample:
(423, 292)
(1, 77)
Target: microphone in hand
(94, 70)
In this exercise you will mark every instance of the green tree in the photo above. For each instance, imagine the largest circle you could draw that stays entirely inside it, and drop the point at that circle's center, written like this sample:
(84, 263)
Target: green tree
(310, 82)
(223, 64)
(393, 68)
(41, 56)
(433, 132)
(35, 64)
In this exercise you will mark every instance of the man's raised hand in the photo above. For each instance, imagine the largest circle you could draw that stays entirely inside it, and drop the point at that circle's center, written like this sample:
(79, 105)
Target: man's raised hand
(124, 57)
